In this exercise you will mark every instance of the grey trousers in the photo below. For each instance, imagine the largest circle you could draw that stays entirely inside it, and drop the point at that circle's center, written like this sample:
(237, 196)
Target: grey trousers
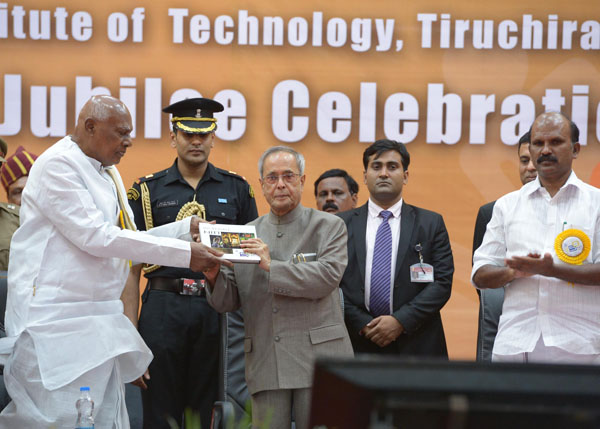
(274, 407)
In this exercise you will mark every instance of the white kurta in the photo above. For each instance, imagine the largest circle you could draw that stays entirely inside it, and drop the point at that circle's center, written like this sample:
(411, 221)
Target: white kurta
(68, 265)
(566, 315)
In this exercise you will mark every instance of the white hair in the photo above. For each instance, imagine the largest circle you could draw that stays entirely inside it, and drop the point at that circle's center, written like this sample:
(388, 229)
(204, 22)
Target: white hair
(299, 158)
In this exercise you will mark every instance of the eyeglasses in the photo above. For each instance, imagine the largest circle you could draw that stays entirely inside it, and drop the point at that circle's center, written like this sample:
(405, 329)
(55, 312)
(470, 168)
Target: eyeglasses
(272, 179)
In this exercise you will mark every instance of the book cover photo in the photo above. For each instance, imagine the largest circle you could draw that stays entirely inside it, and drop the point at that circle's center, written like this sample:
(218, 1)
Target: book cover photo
(228, 239)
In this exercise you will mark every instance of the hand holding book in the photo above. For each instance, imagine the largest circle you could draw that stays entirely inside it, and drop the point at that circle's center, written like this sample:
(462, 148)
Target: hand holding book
(258, 247)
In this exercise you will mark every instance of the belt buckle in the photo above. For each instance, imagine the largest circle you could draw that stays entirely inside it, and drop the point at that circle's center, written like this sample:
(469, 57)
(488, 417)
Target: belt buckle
(191, 287)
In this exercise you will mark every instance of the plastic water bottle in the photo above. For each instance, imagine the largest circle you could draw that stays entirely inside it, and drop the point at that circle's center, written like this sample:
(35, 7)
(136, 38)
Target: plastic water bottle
(85, 409)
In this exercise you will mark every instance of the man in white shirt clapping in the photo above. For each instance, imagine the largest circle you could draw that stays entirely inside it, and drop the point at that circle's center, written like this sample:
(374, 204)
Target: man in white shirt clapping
(543, 243)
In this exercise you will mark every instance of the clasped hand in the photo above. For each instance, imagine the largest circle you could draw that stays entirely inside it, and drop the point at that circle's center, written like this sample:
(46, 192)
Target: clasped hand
(382, 330)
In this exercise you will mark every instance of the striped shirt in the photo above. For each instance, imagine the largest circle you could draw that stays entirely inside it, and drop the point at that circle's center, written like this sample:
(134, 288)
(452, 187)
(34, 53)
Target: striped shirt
(529, 220)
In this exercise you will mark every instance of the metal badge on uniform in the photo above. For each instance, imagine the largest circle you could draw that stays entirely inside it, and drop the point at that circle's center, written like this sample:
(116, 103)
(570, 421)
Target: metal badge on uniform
(171, 203)
(421, 272)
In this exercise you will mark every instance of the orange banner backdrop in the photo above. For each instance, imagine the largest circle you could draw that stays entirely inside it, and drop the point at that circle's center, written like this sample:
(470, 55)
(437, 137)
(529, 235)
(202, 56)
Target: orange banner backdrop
(457, 83)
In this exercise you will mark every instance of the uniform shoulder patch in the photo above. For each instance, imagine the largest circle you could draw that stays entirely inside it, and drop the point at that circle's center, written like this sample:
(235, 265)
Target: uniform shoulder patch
(10, 208)
(239, 177)
(133, 194)
(232, 174)
(151, 177)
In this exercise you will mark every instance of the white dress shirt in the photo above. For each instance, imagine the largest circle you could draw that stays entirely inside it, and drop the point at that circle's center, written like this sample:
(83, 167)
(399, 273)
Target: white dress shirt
(373, 222)
(566, 315)
(69, 262)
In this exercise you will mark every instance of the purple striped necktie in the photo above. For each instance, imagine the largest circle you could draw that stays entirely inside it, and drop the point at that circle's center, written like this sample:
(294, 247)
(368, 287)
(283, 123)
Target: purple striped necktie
(381, 270)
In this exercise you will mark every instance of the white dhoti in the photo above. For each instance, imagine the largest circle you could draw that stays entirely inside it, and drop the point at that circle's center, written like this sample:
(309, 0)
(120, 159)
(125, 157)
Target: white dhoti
(93, 345)
(68, 266)
(33, 406)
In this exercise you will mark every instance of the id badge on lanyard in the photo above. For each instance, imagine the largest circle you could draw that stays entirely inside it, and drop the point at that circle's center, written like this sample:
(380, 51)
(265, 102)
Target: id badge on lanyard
(421, 272)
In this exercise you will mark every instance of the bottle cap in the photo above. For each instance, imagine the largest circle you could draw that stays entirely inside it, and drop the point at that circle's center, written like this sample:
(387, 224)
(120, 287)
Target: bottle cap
(84, 389)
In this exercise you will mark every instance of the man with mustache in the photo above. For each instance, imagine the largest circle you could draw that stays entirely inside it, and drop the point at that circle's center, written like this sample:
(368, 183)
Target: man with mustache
(336, 191)
(542, 246)
(490, 307)
(176, 322)
(400, 265)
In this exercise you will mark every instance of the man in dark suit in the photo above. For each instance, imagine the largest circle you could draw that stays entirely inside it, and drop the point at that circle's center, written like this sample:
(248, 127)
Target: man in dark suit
(400, 264)
(490, 303)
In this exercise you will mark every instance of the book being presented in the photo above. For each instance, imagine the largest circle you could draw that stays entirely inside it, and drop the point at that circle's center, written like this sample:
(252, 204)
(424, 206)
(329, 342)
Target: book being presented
(228, 239)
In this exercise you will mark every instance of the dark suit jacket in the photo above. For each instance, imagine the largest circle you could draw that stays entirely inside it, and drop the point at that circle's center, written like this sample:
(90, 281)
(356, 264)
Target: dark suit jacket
(484, 215)
(490, 300)
(416, 305)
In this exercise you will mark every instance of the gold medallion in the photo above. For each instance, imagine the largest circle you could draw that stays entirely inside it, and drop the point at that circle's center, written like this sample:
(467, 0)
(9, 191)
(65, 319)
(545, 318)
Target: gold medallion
(572, 246)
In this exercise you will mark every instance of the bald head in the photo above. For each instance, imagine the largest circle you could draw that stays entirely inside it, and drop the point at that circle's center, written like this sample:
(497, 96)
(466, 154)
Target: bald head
(101, 107)
(103, 129)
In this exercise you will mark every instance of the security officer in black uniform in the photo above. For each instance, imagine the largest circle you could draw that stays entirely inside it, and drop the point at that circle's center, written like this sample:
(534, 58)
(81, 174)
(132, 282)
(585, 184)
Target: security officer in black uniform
(176, 322)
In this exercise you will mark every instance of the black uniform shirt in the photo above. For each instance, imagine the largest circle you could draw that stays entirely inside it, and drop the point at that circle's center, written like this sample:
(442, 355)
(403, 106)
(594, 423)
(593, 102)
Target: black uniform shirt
(226, 197)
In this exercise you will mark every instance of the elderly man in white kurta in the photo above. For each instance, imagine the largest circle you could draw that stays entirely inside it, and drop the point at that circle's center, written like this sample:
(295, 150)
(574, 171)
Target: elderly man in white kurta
(69, 262)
